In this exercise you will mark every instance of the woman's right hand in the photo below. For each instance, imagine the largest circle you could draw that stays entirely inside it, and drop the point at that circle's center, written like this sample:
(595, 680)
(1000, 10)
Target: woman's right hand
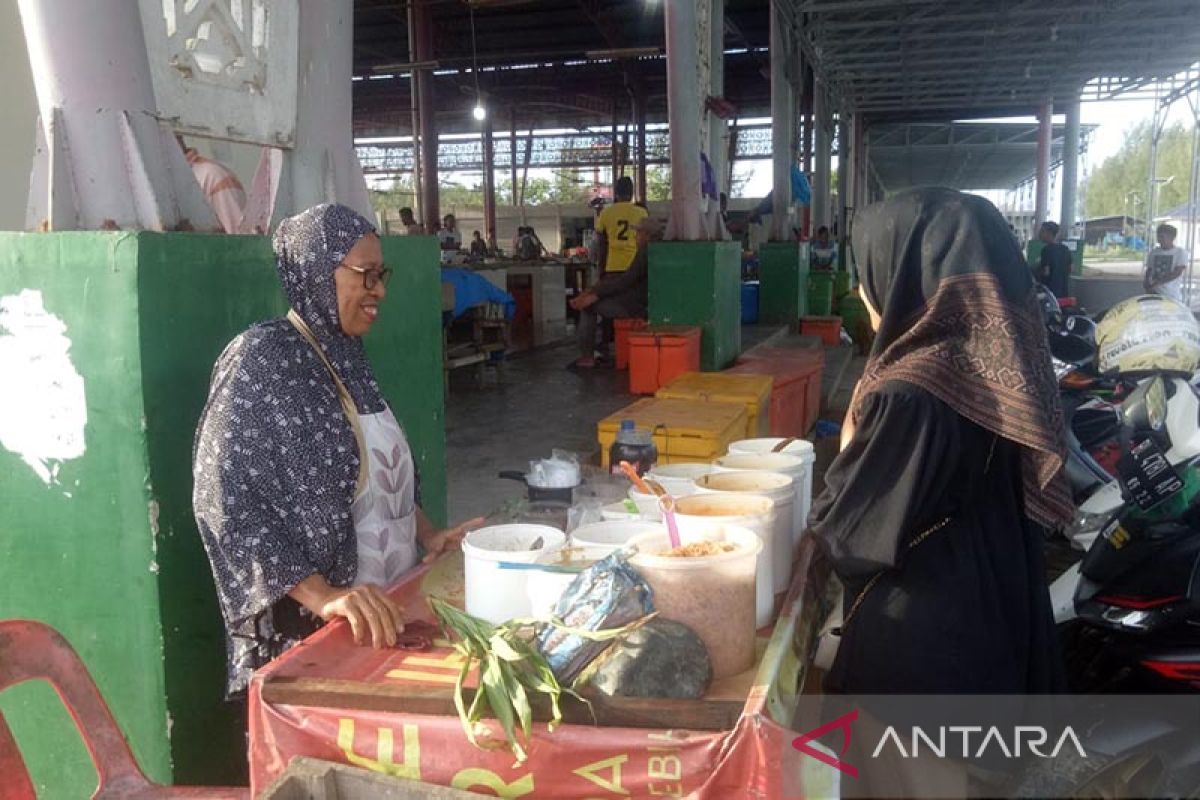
(373, 616)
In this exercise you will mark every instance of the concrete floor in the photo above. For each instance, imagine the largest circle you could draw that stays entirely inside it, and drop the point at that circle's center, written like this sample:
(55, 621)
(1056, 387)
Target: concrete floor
(534, 405)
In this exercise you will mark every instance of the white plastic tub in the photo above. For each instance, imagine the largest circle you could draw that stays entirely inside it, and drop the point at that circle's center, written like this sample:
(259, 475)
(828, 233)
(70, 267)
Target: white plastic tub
(494, 594)
(781, 489)
(795, 467)
(713, 595)
(647, 504)
(679, 479)
(610, 536)
(704, 515)
(800, 449)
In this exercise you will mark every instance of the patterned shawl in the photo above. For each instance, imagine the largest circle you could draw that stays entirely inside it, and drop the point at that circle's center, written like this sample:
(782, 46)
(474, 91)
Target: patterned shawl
(959, 320)
(275, 462)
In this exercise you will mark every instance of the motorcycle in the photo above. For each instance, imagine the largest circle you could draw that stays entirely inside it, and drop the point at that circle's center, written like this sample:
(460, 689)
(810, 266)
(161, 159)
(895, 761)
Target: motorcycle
(1129, 610)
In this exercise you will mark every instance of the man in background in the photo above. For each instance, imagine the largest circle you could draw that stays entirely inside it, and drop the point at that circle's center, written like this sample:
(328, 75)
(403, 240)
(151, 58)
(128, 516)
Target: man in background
(1166, 265)
(617, 295)
(616, 230)
(409, 224)
(449, 235)
(1054, 265)
(221, 188)
(479, 248)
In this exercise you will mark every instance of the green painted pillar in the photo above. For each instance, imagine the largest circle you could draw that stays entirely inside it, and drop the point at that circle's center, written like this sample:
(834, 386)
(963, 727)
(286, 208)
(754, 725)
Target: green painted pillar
(700, 284)
(107, 342)
(783, 282)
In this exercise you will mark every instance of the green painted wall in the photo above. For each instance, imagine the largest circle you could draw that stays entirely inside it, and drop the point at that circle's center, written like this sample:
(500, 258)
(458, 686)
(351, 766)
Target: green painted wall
(699, 283)
(117, 565)
(405, 346)
(783, 282)
(79, 554)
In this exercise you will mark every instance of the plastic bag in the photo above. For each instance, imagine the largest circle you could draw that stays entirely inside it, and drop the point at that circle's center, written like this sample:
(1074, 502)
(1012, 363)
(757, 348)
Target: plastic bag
(560, 471)
(609, 594)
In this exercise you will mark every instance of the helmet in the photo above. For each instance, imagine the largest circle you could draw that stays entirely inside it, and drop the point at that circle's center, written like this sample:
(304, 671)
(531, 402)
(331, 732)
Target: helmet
(1150, 333)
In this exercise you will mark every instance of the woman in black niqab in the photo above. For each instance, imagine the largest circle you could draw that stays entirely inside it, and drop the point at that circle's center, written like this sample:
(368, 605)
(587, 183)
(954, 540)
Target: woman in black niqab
(935, 511)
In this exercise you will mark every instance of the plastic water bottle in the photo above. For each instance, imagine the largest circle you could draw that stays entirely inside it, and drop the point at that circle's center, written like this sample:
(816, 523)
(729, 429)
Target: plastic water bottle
(636, 447)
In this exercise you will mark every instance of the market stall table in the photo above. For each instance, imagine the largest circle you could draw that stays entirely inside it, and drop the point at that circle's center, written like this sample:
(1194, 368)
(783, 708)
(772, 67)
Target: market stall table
(393, 711)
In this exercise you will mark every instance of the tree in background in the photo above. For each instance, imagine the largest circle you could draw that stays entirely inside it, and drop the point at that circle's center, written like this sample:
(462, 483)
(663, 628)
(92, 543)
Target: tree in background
(658, 183)
(1110, 189)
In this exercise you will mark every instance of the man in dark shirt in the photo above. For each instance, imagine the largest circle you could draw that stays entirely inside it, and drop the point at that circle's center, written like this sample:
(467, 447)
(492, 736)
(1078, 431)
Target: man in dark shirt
(617, 295)
(1054, 266)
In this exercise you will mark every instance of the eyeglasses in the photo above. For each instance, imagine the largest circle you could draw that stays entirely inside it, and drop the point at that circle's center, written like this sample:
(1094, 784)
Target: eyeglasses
(371, 277)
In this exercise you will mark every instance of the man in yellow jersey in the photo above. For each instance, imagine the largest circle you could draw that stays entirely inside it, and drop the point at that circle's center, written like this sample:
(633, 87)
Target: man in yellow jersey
(616, 229)
(617, 295)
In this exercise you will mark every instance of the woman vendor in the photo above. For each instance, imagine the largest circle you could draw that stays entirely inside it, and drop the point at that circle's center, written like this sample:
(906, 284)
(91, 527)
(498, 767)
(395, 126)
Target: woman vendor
(305, 491)
(951, 469)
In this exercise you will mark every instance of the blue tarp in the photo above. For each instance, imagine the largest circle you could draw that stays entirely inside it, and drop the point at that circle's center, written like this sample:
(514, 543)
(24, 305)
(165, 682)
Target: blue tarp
(472, 289)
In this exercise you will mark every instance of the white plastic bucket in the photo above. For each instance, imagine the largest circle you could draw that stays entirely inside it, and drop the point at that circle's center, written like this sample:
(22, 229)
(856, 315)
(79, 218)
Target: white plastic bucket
(703, 516)
(781, 489)
(623, 511)
(794, 467)
(647, 504)
(802, 450)
(679, 479)
(713, 595)
(494, 594)
(609, 536)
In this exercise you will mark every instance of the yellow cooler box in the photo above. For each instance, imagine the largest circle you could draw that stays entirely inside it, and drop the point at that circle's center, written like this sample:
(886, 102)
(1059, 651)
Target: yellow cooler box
(752, 392)
(685, 431)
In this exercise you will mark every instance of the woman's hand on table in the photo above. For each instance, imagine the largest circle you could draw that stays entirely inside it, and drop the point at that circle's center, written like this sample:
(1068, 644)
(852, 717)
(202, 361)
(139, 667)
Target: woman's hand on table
(449, 539)
(374, 618)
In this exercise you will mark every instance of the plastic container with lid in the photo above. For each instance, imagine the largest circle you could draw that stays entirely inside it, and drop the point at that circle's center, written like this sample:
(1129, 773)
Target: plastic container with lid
(713, 595)
(635, 446)
(622, 328)
(781, 489)
(657, 354)
(702, 516)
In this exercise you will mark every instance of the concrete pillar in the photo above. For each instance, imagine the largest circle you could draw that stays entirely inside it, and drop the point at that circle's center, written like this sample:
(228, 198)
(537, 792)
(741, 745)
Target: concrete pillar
(781, 130)
(430, 211)
(103, 157)
(324, 165)
(489, 184)
(1042, 178)
(512, 150)
(639, 115)
(845, 173)
(1070, 172)
(718, 129)
(822, 130)
(415, 105)
(683, 112)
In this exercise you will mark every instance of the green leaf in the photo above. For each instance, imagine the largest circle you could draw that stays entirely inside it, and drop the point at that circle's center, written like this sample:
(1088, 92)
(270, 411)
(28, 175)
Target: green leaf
(494, 684)
(503, 649)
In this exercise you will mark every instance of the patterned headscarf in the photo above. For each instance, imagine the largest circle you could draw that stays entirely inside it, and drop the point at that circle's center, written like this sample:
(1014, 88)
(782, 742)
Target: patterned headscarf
(959, 319)
(275, 463)
(308, 248)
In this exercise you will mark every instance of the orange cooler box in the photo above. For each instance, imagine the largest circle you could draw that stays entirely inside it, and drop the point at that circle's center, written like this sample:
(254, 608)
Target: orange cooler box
(828, 328)
(792, 412)
(659, 354)
(621, 330)
(685, 431)
(753, 392)
(796, 370)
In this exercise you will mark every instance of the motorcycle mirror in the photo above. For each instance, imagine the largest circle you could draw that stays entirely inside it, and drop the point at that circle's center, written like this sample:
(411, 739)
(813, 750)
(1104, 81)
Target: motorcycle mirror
(1070, 348)
(1145, 409)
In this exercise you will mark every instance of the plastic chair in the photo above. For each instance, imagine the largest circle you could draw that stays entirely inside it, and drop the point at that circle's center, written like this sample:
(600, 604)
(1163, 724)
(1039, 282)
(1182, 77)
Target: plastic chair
(31, 651)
